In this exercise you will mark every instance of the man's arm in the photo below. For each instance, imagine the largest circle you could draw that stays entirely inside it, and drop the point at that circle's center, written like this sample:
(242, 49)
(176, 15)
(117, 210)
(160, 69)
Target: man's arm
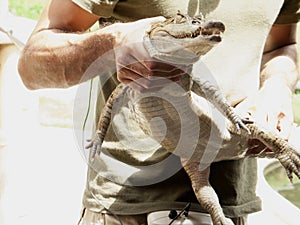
(271, 106)
(59, 51)
(279, 75)
(280, 56)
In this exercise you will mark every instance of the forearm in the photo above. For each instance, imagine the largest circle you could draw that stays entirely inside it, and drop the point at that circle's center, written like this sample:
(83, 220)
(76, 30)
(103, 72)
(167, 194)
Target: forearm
(280, 67)
(53, 58)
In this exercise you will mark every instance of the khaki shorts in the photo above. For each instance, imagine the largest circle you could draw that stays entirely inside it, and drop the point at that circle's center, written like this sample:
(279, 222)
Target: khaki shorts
(157, 218)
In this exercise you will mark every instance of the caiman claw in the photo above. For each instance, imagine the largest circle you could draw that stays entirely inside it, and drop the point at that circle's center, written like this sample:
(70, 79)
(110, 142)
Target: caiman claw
(95, 146)
(290, 160)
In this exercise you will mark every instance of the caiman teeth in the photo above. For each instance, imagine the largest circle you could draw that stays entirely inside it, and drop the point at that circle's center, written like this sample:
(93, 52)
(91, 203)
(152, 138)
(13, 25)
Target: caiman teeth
(211, 32)
(199, 32)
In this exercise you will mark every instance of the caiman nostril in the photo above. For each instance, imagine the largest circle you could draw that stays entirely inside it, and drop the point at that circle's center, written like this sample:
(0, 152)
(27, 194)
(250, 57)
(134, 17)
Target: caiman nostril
(216, 39)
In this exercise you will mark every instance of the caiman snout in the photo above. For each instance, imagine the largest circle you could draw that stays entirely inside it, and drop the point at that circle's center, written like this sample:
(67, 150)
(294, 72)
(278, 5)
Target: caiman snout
(214, 24)
(213, 30)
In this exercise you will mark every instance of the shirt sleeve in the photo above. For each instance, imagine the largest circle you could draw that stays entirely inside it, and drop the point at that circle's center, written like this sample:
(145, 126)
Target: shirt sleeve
(102, 8)
(289, 13)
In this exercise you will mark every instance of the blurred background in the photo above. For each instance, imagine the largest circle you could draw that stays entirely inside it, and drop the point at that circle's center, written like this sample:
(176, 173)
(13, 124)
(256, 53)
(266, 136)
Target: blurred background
(42, 168)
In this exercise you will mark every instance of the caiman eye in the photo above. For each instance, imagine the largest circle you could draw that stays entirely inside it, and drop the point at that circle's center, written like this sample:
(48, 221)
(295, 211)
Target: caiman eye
(196, 22)
(179, 18)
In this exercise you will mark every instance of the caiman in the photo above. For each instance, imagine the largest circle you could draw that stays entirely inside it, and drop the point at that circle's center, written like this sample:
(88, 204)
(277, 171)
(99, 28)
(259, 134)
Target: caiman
(187, 130)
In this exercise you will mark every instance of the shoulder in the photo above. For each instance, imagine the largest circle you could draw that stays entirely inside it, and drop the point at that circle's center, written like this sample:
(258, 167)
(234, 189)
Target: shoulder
(102, 8)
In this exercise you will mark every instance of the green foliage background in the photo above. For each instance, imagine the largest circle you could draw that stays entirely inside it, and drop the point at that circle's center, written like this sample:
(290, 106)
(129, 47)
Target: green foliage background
(27, 8)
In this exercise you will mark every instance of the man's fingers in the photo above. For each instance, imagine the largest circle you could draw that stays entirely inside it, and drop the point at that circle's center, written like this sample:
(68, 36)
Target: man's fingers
(156, 65)
(284, 125)
(128, 76)
(153, 69)
(152, 83)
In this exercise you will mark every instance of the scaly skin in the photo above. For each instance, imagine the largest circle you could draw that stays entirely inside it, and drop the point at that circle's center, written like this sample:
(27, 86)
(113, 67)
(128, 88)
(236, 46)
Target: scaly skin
(192, 38)
(183, 40)
(150, 107)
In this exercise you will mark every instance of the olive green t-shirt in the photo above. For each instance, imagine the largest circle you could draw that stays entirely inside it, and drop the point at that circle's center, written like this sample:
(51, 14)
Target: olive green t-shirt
(289, 13)
(134, 174)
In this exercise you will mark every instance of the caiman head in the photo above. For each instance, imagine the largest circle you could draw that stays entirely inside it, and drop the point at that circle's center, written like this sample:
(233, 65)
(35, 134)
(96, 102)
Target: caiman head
(194, 34)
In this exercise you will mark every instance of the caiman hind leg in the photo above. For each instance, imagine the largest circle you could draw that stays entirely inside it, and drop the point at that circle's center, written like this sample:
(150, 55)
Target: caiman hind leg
(204, 192)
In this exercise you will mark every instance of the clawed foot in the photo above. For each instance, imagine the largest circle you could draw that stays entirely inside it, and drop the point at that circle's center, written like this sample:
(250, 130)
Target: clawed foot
(240, 124)
(290, 160)
(94, 146)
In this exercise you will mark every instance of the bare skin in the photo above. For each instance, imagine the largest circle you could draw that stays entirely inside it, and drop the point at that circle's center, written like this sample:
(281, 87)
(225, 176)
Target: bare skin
(61, 40)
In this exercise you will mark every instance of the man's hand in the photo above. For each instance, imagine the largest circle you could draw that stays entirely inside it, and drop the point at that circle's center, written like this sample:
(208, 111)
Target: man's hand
(134, 65)
(271, 109)
(271, 106)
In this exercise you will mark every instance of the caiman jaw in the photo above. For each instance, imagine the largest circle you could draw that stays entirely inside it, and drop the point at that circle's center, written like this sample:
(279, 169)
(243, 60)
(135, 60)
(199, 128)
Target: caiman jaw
(211, 31)
(183, 39)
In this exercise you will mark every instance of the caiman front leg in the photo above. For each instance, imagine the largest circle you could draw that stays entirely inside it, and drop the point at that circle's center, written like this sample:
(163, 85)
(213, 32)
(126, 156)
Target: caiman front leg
(210, 92)
(104, 121)
(204, 192)
(286, 154)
